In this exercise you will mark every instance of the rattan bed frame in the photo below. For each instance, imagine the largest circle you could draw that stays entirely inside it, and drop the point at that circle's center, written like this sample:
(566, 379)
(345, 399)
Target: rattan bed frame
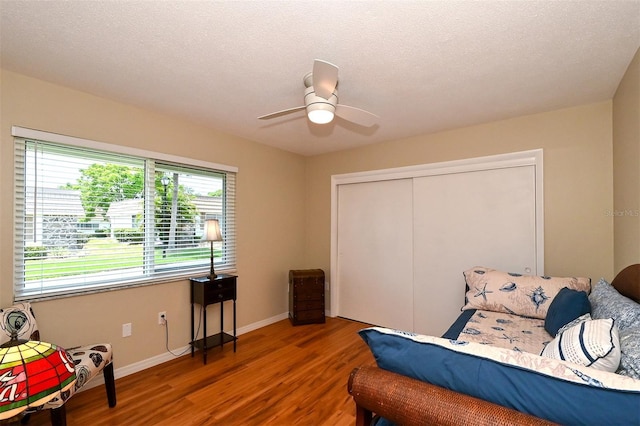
(406, 401)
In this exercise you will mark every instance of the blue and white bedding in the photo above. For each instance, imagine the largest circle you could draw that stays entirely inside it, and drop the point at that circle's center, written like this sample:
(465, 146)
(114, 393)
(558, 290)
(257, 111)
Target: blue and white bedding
(548, 388)
(546, 346)
(500, 329)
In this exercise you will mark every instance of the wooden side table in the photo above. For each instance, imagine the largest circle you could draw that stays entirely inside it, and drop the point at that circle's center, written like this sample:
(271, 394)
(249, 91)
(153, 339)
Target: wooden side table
(207, 292)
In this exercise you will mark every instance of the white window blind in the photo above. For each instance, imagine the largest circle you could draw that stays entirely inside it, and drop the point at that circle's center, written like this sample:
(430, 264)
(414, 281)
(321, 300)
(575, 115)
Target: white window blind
(90, 220)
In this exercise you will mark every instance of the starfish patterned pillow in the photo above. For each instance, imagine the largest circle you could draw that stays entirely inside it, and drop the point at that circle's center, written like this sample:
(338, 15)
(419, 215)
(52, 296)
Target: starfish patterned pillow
(518, 294)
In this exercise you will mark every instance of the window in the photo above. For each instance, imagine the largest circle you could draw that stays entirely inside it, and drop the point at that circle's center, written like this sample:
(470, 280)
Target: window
(89, 219)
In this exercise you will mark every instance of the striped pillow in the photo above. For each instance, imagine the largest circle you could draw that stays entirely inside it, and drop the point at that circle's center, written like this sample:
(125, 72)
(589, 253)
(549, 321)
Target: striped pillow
(593, 343)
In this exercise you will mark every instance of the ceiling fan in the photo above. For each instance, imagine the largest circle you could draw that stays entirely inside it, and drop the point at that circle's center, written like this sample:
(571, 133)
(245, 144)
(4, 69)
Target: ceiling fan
(321, 99)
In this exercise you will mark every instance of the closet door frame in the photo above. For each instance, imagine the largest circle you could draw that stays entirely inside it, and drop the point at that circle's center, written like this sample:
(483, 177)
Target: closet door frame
(515, 159)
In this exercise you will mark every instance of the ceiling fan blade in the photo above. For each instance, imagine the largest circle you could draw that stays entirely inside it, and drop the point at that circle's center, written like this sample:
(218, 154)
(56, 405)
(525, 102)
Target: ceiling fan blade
(325, 78)
(281, 113)
(356, 115)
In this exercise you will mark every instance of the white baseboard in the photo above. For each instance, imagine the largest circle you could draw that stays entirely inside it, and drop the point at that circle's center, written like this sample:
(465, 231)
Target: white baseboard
(168, 356)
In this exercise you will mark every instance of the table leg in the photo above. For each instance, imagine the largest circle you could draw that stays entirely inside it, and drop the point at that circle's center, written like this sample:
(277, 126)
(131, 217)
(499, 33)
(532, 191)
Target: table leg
(192, 336)
(204, 333)
(221, 327)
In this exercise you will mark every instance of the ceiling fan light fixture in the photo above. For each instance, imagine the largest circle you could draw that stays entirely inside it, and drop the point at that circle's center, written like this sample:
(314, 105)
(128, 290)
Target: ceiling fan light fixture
(321, 99)
(321, 113)
(320, 116)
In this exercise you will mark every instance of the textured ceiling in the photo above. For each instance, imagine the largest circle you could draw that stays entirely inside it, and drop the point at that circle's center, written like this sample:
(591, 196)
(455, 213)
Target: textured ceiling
(422, 66)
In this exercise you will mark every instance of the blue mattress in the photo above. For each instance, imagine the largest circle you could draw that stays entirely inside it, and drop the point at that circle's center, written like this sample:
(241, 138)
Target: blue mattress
(587, 397)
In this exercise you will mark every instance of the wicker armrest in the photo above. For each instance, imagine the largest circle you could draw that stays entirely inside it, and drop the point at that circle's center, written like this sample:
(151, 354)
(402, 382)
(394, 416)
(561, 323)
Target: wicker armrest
(407, 401)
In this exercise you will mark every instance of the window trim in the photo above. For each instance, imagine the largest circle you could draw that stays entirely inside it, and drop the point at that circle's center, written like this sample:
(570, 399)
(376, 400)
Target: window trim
(26, 133)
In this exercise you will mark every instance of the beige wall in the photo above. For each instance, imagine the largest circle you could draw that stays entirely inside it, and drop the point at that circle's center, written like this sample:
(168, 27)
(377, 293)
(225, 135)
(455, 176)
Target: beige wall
(578, 187)
(626, 173)
(270, 218)
(283, 202)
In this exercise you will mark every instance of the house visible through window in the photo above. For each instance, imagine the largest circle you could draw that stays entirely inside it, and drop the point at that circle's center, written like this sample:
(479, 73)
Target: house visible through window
(88, 219)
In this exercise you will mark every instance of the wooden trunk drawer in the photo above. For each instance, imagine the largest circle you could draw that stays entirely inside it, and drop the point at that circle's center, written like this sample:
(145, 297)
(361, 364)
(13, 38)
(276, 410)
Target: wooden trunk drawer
(315, 316)
(306, 296)
(306, 305)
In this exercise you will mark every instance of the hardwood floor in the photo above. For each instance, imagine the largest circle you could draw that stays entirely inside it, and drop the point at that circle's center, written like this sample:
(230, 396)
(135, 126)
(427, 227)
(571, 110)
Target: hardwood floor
(280, 375)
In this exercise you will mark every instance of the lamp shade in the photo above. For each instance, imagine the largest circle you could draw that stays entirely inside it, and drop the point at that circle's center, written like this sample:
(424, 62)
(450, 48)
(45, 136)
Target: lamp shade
(32, 374)
(212, 230)
(321, 113)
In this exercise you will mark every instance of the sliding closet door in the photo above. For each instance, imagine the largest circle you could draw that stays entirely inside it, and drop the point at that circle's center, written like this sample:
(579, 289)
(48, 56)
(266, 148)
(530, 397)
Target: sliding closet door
(466, 219)
(374, 248)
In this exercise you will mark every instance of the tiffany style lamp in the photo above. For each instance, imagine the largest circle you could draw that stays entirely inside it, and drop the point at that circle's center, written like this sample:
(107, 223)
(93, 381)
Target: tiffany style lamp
(31, 374)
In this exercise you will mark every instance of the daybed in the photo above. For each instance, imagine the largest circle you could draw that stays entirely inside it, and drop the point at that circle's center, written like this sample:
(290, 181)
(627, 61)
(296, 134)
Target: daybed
(470, 377)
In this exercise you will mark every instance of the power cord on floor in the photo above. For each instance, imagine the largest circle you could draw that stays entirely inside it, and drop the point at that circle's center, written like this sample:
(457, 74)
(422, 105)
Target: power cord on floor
(166, 330)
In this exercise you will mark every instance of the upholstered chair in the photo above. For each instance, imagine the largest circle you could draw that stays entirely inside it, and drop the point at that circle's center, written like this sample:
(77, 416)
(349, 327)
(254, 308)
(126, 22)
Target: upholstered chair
(89, 360)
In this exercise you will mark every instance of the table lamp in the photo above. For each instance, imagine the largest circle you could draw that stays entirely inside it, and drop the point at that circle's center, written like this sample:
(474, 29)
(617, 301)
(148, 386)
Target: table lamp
(32, 374)
(212, 233)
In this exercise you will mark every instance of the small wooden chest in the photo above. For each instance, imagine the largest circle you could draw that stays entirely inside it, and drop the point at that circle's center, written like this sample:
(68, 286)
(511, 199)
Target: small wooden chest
(306, 296)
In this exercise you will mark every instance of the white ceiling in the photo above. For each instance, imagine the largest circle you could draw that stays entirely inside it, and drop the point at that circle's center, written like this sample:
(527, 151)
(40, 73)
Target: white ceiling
(422, 66)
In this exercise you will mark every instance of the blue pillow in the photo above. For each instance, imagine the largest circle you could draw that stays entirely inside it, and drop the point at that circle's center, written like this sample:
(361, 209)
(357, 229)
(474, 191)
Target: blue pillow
(566, 306)
(630, 352)
(606, 302)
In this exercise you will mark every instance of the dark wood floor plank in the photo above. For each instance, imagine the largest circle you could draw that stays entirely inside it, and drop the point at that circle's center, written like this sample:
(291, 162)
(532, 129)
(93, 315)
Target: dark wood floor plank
(280, 375)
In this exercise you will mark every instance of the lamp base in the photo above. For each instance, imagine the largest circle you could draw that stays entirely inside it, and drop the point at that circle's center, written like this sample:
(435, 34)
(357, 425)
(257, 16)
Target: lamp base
(212, 273)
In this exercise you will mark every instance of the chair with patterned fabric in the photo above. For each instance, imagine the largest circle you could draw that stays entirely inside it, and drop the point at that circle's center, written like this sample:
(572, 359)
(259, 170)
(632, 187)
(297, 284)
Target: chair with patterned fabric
(89, 360)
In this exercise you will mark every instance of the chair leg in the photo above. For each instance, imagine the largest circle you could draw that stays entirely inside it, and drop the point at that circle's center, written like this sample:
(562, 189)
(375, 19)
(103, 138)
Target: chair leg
(110, 384)
(59, 416)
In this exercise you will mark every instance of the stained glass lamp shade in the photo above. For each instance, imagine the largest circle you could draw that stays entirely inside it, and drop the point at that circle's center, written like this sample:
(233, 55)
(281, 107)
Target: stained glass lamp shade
(31, 374)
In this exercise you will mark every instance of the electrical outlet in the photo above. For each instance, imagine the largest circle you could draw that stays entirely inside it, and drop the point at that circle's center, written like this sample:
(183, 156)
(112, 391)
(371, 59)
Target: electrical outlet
(126, 330)
(162, 318)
